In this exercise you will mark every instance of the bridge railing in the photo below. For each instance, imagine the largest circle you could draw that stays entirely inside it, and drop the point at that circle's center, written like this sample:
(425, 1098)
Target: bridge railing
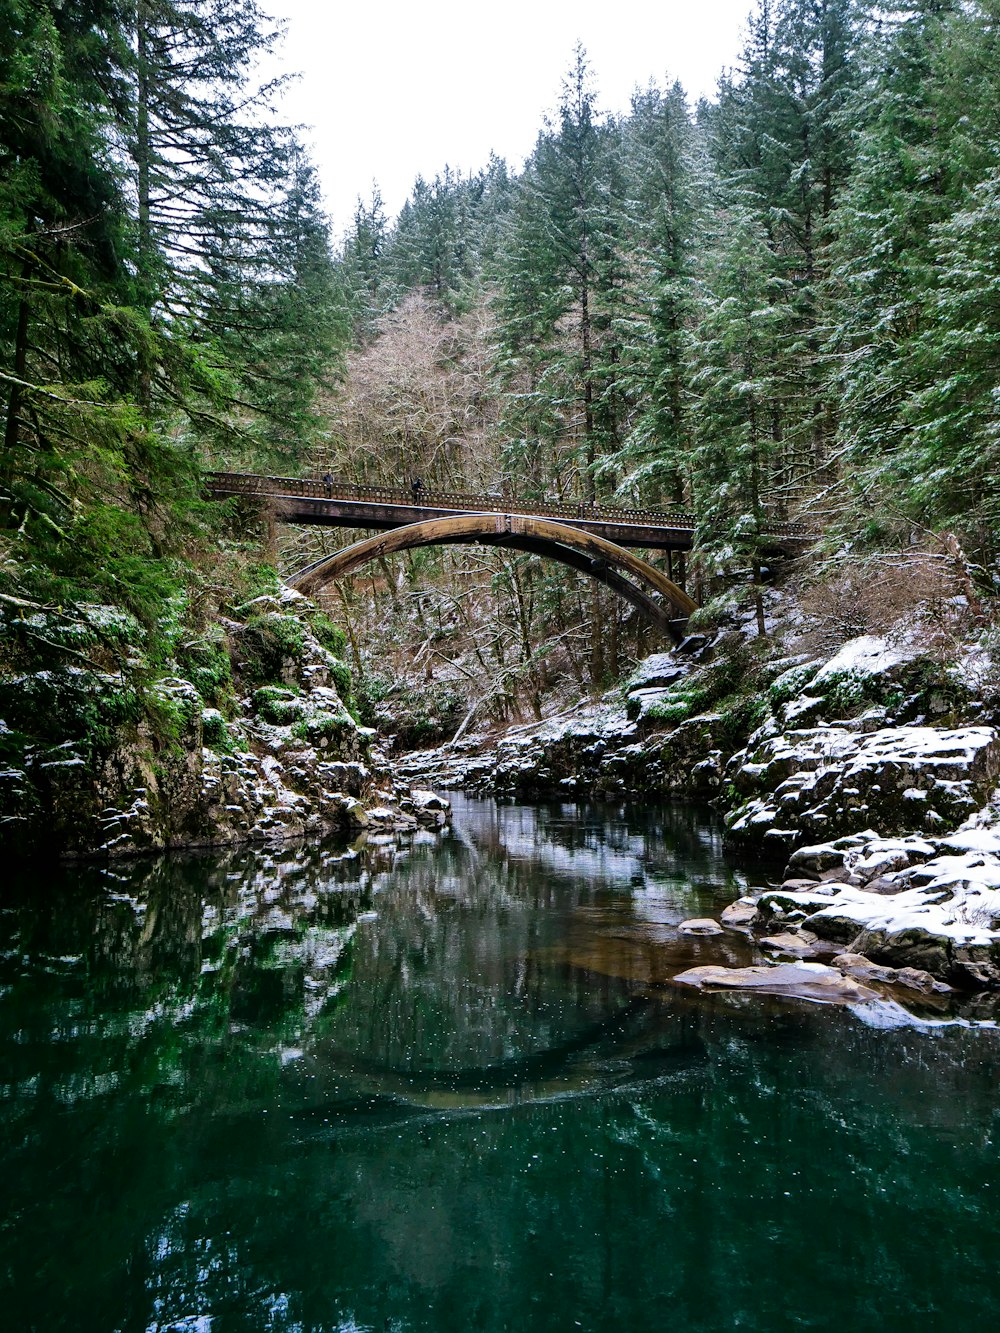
(241, 483)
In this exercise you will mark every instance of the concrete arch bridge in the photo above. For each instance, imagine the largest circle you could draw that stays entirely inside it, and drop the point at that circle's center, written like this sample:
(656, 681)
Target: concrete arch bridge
(594, 539)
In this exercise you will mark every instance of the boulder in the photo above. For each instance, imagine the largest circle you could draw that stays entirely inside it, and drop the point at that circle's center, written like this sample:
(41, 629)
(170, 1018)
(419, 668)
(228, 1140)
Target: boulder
(910, 978)
(738, 915)
(863, 969)
(429, 802)
(837, 780)
(699, 925)
(940, 916)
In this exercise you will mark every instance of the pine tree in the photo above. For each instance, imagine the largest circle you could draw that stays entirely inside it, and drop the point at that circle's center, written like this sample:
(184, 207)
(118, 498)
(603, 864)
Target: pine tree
(781, 143)
(363, 264)
(287, 342)
(939, 422)
(221, 218)
(658, 233)
(560, 278)
(68, 343)
(737, 363)
(906, 183)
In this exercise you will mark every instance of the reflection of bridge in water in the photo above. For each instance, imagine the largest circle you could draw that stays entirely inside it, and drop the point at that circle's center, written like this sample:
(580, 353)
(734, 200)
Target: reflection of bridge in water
(591, 537)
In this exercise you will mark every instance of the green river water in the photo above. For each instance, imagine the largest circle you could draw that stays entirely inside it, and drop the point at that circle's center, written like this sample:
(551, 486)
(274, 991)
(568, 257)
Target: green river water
(446, 1084)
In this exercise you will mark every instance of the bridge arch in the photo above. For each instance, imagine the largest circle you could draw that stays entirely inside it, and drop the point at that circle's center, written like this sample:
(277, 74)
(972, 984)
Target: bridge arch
(654, 595)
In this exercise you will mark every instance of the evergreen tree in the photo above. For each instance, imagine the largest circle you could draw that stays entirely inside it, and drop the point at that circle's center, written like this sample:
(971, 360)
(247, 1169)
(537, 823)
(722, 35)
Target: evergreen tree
(69, 342)
(922, 246)
(225, 216)
(560, 279)
(740, 334)
(781, 143)
(363, 263)
(160, 268)
(288, 329)
(659, 228)
(906, 182)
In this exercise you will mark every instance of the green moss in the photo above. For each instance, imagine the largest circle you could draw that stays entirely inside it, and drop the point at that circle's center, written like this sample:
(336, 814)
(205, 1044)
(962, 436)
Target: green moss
(268, 645)
(325, 728)
(278, 705)
(331, 636)
(739, 715)
(675, 709)
(790, 684)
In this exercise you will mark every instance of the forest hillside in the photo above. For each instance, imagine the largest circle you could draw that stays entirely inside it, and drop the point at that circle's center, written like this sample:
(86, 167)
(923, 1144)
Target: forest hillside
(778, 304)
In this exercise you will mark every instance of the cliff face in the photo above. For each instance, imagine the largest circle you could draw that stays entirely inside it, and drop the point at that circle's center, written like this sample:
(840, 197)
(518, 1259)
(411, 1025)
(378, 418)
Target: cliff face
(93, 767)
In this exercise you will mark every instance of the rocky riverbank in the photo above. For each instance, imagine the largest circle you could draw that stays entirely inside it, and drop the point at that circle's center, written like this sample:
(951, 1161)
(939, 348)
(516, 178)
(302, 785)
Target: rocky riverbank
(913, 914)
(256, 743)
(870, 773)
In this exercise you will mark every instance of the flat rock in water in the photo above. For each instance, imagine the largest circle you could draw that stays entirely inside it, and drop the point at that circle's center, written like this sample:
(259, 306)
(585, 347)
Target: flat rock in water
(429, 800)
(738, 915)
(863, 969)
(789, 942)
(700, 925)
(803, 981)
(911, 978)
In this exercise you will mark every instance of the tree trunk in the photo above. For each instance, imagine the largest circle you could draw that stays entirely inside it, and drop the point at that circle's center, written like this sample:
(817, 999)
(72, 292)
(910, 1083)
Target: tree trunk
(12, 431)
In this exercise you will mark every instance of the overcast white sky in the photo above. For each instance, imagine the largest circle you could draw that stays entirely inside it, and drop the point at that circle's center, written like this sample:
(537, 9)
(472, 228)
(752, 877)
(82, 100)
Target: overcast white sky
(397, 89)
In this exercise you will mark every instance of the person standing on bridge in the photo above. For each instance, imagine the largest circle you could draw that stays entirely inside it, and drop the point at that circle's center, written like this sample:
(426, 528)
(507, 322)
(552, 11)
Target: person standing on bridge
(416, 489)
(328, 483)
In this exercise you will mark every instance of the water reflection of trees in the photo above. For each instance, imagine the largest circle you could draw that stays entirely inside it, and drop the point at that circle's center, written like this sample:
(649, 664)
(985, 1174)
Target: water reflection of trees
(316, 1089)
(163, 960)
(501, 941)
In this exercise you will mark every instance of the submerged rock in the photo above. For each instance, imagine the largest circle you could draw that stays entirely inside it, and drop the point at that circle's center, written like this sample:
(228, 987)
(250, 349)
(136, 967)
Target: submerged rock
(803, 981)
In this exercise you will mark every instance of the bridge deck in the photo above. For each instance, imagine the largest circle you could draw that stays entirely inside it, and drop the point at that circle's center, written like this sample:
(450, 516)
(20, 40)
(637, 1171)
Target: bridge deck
(381, 508)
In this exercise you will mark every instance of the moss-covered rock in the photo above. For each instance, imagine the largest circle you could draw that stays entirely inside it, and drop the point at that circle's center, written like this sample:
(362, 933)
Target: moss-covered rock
(278, 704)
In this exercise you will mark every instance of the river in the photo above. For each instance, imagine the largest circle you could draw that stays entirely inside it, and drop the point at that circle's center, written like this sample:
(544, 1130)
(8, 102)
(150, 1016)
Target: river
(445, 1084)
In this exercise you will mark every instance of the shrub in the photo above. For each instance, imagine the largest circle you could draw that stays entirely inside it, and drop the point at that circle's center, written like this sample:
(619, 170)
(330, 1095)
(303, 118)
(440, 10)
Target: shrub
(205, 662)
(330, 636)
(321, 730)
(214, 731)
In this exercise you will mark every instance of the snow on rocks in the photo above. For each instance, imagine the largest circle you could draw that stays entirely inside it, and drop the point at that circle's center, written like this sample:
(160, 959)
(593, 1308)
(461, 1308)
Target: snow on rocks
(906, 903)
(658, 670)
(836, 779)
(868, 655)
